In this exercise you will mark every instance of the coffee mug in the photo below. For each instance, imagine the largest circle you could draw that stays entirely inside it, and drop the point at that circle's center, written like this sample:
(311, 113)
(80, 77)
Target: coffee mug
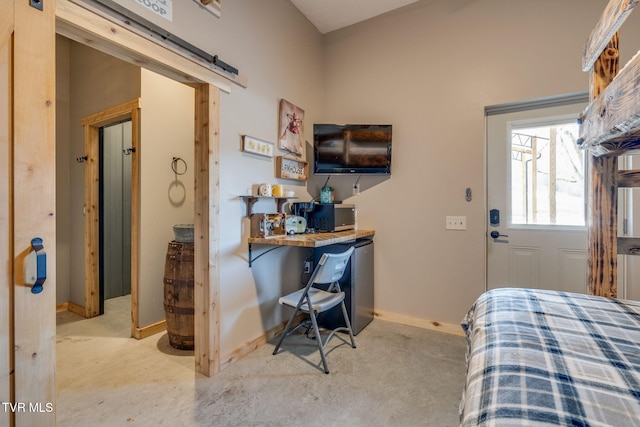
(264, 190)
(277, 190)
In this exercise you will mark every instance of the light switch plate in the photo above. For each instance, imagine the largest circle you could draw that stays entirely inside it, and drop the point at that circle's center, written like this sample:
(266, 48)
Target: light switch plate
(456, 223)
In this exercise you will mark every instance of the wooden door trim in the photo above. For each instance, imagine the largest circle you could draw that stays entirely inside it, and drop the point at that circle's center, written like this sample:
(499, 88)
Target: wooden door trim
(129, 110)
(206, 245)
(93, 30)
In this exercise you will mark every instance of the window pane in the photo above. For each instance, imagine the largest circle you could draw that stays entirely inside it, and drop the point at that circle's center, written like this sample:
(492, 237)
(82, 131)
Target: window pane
(547, 176)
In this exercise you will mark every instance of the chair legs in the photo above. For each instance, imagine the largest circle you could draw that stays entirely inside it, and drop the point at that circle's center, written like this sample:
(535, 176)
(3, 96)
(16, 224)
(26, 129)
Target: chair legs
(321, 345)
(316, 330)
(346, 320)
(286, 331)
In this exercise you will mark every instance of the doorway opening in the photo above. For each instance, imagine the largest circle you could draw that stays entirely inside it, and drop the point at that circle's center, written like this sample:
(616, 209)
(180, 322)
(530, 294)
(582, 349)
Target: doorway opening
(105, 134)
(85, 27)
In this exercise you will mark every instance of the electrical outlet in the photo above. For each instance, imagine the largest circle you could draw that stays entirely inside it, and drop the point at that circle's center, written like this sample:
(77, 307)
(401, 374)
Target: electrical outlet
(308, 266)
(456, 223)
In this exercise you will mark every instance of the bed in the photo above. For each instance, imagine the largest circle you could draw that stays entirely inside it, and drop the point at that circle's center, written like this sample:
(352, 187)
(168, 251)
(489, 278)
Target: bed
(540, 358)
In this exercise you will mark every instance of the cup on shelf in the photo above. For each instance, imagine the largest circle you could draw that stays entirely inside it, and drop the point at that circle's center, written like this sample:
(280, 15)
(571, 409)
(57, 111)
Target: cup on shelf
(265, 190)
(277, 190)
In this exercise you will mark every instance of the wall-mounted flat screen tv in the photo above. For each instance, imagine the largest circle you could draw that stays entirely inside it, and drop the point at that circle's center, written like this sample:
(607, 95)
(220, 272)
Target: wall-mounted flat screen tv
(351, 149)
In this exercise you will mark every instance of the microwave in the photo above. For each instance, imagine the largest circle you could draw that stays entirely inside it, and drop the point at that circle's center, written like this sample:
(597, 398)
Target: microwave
(332, 217)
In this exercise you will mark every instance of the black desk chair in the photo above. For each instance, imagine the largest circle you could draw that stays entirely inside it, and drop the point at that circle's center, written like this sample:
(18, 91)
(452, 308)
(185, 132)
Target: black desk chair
(313, 301)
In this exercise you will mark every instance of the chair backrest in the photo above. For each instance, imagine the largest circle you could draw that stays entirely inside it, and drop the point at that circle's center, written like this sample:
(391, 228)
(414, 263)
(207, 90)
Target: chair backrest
(331, 267)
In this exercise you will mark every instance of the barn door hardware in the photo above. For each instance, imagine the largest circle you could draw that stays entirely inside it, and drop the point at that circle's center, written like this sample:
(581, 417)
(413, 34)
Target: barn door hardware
(35, 272)
(131, 19)
(226, 67)
(36, 4)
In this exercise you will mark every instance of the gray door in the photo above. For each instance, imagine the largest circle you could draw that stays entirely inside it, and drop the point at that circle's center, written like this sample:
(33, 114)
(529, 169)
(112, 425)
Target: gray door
(115, 217)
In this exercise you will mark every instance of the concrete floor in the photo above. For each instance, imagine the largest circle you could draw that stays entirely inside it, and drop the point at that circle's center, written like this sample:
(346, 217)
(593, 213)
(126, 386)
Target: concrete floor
(399, 375)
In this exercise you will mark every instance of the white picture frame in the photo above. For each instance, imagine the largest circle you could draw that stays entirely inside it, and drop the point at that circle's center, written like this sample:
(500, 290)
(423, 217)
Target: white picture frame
(257, 146)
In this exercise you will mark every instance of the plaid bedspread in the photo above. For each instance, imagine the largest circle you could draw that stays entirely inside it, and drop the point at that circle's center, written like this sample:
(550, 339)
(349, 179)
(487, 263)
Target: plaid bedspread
(541, 358)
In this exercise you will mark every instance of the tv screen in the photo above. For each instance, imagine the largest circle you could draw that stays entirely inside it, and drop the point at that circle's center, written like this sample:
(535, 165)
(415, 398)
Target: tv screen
(351, 149)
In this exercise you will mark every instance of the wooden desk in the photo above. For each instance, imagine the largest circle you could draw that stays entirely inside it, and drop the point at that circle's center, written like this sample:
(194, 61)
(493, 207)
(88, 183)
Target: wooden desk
(311, 240)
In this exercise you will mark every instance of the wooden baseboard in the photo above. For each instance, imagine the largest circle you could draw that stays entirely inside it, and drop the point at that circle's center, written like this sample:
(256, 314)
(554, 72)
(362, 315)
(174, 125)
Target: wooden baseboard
(147, 331)
(137, 333)
(76, 308)
(447, 328)
(70, 306)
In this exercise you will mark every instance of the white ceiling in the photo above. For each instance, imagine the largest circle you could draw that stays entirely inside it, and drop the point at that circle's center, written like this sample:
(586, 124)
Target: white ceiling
(329, 15)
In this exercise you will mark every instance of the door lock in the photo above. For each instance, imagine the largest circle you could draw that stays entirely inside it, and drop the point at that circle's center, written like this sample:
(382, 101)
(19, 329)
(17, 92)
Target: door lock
(495, 234)
(494, 217)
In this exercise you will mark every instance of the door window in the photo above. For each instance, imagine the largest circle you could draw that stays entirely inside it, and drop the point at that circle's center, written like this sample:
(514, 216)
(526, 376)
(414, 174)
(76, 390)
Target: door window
(547, 174)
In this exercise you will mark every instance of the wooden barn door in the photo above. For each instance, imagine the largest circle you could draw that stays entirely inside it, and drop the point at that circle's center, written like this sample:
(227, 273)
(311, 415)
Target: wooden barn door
(6, 25)
(27, 210)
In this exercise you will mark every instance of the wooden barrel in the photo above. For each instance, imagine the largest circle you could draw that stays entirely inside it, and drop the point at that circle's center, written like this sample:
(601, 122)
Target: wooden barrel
(178, 294)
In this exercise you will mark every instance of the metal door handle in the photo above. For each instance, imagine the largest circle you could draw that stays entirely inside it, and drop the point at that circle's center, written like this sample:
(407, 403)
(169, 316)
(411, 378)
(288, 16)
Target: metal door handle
(36, 266)
(495, 234)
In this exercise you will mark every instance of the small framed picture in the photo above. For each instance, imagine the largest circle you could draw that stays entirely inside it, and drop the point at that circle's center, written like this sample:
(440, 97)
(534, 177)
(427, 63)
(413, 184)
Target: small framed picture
(291, 168)
(256, 146)
(291, 128)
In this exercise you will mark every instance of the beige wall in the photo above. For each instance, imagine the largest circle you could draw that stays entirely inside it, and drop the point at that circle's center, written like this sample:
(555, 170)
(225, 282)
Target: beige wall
(280, 52)
(430, 69)
(166, 131)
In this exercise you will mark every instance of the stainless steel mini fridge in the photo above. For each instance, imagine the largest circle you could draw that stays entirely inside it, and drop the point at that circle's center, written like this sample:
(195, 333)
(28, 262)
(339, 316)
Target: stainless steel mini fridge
(357, 284)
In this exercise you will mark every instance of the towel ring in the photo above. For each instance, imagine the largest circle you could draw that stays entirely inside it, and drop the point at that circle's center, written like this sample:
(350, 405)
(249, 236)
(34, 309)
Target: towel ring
(175, 166)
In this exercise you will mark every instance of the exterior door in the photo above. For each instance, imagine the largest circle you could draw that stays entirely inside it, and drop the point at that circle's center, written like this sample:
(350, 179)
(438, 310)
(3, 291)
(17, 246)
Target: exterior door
(27, 210)
(536, 234)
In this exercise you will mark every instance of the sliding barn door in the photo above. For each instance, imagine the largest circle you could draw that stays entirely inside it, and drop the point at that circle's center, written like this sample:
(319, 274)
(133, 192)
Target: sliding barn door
(27, 211)
(6, 16)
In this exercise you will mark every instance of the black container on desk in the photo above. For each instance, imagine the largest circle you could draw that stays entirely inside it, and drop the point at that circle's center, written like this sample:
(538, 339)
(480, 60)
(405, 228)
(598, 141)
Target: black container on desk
(332, 217)
(357, 284)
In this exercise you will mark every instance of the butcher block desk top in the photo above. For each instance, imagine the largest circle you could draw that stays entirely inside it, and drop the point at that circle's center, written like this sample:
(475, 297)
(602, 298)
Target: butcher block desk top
(314, 240)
